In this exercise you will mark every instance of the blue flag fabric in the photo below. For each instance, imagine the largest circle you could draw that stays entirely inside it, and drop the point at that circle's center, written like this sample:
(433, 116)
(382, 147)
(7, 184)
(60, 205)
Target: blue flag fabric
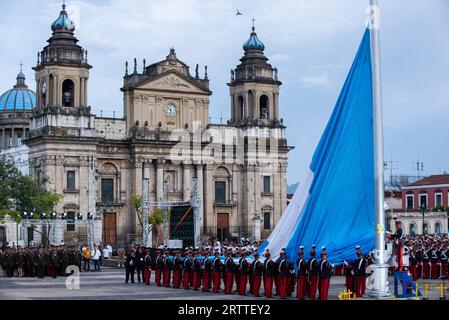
(334, 205)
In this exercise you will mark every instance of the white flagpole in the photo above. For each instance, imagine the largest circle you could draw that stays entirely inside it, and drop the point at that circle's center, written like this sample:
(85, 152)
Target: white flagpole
(380, 288)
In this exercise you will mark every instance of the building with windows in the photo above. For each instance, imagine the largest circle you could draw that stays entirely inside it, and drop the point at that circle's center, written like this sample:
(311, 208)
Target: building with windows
(16, 107)
(423, 206)
(163, 141)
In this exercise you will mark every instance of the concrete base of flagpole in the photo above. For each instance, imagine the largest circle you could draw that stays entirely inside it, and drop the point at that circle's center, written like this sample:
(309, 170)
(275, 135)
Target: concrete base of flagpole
(381, 288)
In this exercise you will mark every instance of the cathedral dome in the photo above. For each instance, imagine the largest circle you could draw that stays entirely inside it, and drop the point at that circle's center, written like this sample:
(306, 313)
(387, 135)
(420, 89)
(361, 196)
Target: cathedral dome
(63, 22)
(253, 42)
(19, 98)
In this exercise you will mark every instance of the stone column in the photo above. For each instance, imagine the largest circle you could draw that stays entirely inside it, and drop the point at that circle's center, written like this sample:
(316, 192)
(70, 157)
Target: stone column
(159, 181)
(208, 215)
(246, 108)
(3, 143)
(276, 106)
(82, 79)
(186, 181)
(55, 90)
(86, 87)
(283, 191)
(199, 175)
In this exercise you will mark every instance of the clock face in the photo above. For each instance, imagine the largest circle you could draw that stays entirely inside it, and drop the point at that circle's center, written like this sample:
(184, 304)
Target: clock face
(170, 110)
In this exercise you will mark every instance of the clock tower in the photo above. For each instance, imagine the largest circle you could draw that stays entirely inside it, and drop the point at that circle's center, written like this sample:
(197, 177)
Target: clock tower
(164, 97)
(62, 71)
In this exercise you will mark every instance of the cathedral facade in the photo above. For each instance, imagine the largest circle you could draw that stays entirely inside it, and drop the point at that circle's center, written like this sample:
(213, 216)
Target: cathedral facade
(162, 144)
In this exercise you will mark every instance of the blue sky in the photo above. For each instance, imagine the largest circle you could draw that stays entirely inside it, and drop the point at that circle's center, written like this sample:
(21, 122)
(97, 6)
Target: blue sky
(311, 42)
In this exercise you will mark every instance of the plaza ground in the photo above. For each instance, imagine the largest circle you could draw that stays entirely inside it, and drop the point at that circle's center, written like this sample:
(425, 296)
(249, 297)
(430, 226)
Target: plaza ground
(109, 284)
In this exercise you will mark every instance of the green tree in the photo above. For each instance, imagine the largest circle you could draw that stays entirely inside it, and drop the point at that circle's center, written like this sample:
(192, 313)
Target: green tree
(20, 193)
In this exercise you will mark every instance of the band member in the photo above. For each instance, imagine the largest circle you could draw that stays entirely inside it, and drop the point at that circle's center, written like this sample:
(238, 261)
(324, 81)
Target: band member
(187, 268)
(237, 272)
(301, 276)
(269, 270)
(229, 271)
(196, 271)
(349, 277)
(147, 270)
(313, 270)
(257, 270)
(435, 264)
(216, 274)
(291, 279)
(207, 271)
(359, 267)
(168, 266)
(444, 262)
(177, 270)
(413, 264)
(283, 275)
(159, 267)
(52, 263)
(243, 273)
(425, 264)
(325, 276)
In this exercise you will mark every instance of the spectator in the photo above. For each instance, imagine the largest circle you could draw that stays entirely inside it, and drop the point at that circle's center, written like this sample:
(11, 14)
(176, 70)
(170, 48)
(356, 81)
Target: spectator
(86, 252)
(106, 253)
(109, 247)
(96, 255)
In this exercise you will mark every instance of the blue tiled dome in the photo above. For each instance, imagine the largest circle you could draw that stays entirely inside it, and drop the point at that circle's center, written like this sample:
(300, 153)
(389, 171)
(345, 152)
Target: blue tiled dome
(63, 22)
(19, 98)
(253, 42)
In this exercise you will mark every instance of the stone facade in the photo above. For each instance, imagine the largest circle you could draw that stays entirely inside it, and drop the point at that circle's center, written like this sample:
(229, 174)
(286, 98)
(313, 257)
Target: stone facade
(163, 140)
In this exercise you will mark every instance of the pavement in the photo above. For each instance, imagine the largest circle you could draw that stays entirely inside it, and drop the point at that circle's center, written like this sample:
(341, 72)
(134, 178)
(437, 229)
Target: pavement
(109, 284)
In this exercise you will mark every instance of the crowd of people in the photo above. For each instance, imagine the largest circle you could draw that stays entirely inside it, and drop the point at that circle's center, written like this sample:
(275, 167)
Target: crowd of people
(51, 260)
(422, 256)
(202, 269)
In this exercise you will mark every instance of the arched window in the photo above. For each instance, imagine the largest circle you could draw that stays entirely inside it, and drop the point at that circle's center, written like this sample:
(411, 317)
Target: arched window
(263, 107)
(241, 103)
(437, 228)
(68, 93)
(425, 229)
(412, 229)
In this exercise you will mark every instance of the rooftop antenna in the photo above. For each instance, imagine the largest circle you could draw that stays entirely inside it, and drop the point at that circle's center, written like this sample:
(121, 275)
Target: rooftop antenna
(391, 165)
(419, 167)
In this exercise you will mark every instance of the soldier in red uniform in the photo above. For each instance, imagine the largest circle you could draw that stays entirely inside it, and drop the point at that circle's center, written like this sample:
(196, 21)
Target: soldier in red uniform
(177, 270)
(413, 264)
(269, 269)
(167, 269)
(237, 272)
(206, 267)
(349, 277)
(196, 271)
(257, 271)
(243, 273)
(229, 272)
(425, 264)
(283, 275)
(216, 273)
(435, 264)
(187, 268)
(159, 267)
(147, 267)
(325, 276)
(359, 267)
(444, 262)
(301, 275)
(313, 271)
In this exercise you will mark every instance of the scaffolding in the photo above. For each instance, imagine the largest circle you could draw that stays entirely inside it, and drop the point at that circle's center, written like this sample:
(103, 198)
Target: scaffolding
(146, 205)
(55, 226)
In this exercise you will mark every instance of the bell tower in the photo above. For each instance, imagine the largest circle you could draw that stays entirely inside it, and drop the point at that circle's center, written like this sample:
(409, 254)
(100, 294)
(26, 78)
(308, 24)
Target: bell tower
(62, 71)
(254, 87)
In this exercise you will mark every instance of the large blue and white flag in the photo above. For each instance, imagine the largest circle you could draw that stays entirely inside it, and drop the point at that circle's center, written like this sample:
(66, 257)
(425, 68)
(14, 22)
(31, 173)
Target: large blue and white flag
(334, 205)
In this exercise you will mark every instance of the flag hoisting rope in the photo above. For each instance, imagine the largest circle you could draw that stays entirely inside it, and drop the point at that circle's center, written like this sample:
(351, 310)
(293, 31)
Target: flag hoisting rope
(380, 288)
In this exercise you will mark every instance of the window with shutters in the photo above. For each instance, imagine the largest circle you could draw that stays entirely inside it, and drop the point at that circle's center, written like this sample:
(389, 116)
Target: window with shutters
(71, 180)
(266, 220)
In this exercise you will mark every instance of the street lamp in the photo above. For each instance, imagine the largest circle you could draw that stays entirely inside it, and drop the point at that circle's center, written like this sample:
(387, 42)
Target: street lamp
(423, 211)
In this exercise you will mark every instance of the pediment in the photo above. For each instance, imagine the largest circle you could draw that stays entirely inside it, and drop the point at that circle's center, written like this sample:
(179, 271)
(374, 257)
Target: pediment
(172, 82)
